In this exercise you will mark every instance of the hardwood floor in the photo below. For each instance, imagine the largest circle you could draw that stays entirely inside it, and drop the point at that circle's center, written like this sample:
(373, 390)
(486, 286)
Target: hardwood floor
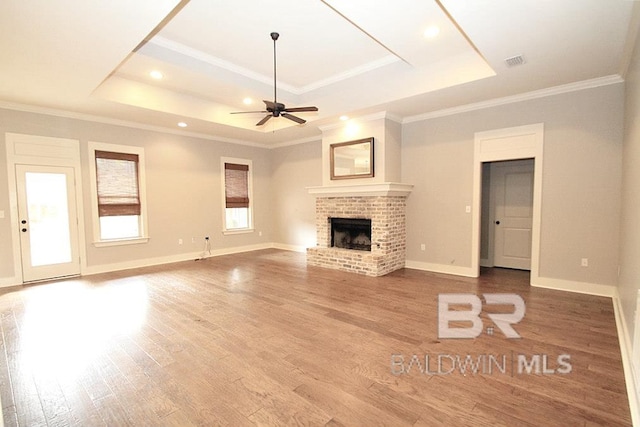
(259, 338)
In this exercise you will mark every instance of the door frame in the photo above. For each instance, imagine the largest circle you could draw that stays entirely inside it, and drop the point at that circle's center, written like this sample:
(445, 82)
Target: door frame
(41, 151)
(496, 145)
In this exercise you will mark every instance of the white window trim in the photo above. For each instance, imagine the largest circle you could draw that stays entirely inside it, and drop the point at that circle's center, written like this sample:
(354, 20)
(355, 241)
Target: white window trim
(238, 161)
(117, 148)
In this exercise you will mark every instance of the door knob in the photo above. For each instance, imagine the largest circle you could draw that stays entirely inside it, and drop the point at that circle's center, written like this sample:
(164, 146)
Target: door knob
(497, 222)
(24, 230)
(24, 221)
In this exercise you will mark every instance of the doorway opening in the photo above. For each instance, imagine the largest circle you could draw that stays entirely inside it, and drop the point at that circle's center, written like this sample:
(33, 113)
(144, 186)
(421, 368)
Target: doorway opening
(503, 145)
(507, 214)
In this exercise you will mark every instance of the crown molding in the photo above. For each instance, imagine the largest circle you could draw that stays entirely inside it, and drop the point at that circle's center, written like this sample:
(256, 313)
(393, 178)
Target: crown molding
(365, 68)
(221, 63)
(571, 87)
(368, 118)
(542, 93)
(117, 122)
(317, 138)
(296, 90)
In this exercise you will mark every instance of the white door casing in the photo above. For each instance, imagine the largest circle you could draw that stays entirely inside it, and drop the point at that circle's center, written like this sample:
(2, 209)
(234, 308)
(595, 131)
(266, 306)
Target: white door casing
(522, 142)
(24, 149)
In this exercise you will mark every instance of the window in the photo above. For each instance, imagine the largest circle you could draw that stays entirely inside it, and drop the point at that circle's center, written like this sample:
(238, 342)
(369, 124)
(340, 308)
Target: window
(237, 195)
(118, 193)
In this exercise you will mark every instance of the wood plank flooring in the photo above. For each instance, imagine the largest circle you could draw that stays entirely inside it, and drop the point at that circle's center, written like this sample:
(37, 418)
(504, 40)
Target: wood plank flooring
(261, 339)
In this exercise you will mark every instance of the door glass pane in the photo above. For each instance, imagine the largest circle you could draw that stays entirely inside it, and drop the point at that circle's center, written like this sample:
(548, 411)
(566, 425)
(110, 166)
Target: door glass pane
(48, 224)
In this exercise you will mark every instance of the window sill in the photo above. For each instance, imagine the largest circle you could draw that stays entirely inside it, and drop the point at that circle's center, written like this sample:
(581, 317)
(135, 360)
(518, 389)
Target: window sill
(120, 242)
(238, 231)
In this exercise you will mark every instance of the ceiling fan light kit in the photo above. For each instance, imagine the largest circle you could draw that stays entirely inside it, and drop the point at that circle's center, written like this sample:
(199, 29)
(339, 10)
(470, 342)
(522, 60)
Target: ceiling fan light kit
(275, 108)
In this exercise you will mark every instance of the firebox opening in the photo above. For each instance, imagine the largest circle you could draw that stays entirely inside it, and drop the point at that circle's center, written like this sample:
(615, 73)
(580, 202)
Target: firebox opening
(351, 233)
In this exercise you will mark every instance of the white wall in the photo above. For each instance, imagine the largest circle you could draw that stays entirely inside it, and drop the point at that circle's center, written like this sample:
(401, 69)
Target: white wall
(581, 182)
(581, 193)
(629, 281)
(581, 188)
(387, 137)
(183, 189)
(294, 169)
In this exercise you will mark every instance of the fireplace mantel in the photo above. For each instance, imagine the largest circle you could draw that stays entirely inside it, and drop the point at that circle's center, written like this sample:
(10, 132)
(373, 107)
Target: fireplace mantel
(362, 190)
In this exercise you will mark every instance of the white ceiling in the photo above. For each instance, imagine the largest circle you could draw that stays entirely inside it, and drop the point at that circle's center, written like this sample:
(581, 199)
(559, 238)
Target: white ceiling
(347, 57)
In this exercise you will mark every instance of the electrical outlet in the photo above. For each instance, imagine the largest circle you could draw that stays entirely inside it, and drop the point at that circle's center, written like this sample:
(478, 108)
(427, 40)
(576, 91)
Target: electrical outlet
(585, 262)
(467, 209)
(423, 247)
(179, 241)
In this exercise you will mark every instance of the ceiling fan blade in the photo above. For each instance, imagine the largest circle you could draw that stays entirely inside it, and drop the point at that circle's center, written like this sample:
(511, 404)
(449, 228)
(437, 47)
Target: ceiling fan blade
(248, 112)
(264, 120)
(294, 118)
(300, 109)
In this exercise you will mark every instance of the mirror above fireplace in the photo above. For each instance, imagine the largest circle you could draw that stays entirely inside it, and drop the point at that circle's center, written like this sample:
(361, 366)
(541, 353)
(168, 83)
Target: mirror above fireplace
(353, 159)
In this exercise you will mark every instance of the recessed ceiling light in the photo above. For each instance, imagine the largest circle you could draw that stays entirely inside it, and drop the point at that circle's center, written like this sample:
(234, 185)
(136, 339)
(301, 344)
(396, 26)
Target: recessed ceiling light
(247, 101)
(431, 32)
(182, 124)
(344, 118)
(155, 74)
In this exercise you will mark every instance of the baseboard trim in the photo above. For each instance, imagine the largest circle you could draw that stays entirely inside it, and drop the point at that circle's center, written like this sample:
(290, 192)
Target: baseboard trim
(238, 250)
(8, 282)
(149, 262)
(291, 248)
(441, 268)
(626, 351)
(578, 287)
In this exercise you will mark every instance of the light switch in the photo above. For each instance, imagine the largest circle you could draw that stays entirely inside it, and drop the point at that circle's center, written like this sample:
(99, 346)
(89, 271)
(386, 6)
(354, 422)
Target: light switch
(1, 214)
(467, 209)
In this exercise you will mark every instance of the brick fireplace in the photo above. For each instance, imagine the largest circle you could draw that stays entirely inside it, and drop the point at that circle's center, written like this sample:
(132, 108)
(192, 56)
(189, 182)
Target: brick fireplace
(379, 198)
(384, 205)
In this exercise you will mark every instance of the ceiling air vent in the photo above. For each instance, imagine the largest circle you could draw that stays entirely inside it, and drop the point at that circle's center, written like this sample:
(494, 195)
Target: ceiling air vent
(514, 61)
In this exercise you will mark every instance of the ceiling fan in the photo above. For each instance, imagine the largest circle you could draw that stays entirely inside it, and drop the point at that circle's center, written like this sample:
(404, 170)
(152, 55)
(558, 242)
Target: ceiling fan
(275, 108)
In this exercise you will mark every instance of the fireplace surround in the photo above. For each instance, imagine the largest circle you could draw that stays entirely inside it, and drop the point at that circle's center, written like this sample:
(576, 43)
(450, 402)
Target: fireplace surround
(383, 205)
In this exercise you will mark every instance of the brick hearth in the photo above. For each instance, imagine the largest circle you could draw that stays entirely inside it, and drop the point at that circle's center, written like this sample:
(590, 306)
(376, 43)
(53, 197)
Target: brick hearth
(388, 234)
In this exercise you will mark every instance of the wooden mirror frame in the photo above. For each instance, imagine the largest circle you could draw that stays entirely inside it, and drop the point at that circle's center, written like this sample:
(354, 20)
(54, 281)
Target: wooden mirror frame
(334, 152)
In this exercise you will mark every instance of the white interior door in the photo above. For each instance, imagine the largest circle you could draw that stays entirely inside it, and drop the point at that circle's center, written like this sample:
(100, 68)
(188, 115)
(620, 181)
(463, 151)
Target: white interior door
(48, 222)
(512, 195)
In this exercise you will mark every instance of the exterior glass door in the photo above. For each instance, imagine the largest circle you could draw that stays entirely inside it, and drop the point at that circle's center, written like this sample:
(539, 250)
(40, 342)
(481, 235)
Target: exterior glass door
(48, 222)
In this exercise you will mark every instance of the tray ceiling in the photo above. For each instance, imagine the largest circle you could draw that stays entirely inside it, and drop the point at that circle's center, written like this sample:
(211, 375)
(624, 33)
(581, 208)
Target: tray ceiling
(346, 57)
